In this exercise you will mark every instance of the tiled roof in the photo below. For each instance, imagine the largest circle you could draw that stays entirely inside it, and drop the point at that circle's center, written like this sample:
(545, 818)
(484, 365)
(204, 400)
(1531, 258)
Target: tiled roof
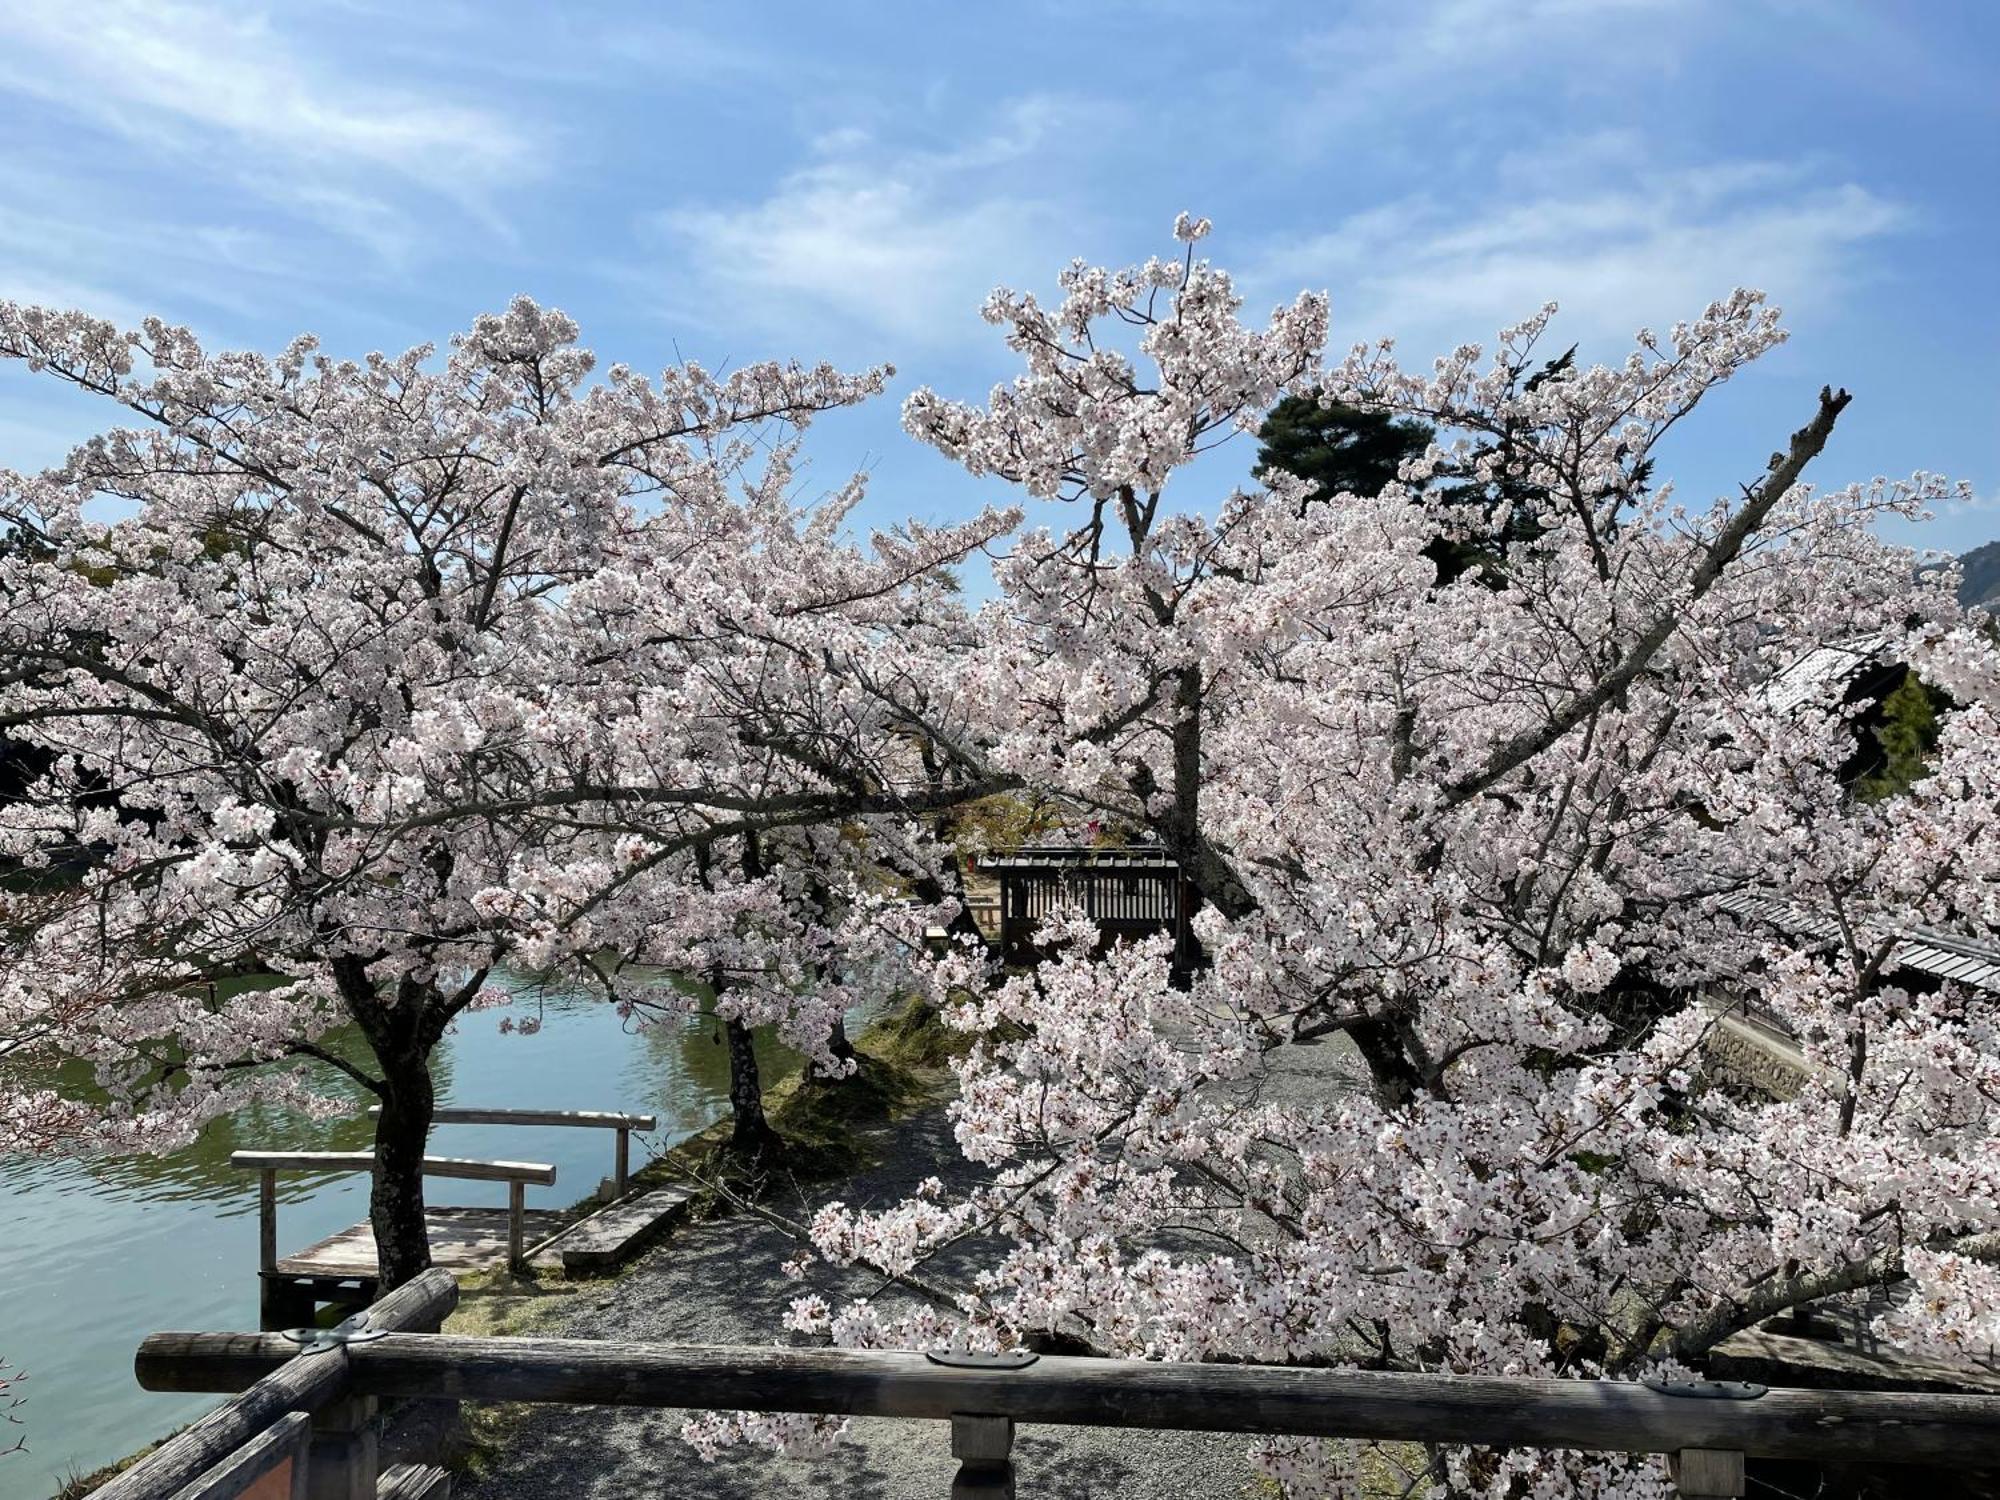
(1944, 955)
(1799, 679)
(1069, 857)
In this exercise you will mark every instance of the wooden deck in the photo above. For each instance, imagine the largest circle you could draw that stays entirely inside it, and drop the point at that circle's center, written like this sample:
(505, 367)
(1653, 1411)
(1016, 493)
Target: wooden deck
(342, 1267)
(462, 1239)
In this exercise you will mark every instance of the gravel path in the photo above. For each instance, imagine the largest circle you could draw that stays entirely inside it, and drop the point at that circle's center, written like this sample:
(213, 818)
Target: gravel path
(720, 1283)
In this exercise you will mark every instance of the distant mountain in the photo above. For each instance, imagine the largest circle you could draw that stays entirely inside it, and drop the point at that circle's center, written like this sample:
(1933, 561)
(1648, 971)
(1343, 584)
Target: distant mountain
(1981, 583)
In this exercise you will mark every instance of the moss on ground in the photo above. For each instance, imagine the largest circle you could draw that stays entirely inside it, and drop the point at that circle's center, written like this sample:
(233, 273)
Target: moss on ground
(823, 1125)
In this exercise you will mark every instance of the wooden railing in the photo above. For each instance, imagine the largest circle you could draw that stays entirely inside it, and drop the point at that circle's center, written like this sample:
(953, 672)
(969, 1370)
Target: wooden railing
(283, 1446)
(599, 1119)
(1705, 1436)
(516, 1174)
(248, 1438)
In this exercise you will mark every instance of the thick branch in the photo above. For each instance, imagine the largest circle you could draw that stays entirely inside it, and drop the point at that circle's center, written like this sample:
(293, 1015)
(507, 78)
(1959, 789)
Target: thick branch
(1513, 753)
(1778, 1294)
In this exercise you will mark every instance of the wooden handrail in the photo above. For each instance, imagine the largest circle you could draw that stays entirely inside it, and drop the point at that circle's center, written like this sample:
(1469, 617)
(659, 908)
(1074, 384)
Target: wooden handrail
(1599, 1416)
(537, 1172)
(286, 1385)
(284, 1441)
(297, 1385)
(602, 1119)
(516, 1174)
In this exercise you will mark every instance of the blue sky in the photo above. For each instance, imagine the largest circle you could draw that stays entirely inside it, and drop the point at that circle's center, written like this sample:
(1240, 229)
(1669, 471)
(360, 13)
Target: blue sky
(846, 181)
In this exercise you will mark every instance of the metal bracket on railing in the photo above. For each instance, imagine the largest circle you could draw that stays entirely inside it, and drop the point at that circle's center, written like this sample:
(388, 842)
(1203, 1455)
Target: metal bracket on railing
(1007, 1359)
(354, 1330)
(1706, 1390)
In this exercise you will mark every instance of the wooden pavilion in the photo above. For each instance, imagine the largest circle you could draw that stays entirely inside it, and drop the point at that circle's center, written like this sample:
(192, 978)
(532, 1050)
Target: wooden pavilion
(1132, 891)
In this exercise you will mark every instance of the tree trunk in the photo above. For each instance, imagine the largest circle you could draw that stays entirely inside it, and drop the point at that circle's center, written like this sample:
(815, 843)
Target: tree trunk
(840, 1046)
(751, 1132)
(402, 1132)
(400, 1034)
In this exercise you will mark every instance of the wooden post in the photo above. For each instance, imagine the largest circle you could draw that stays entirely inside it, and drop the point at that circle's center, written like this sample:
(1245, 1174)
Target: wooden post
(285, 1302)
(517, 1201)
(345, 1460)
(270, 1389)
(623, 1170)
(1707, 1473)
(267, 1219)
(297, 1385)
(273, 1305)
(298, 1473)
(1181, 893)
(271, 1466)
(984, 1448)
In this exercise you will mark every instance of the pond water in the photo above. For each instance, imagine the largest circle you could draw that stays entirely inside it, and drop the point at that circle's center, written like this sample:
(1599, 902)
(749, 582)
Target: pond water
(96, 1255)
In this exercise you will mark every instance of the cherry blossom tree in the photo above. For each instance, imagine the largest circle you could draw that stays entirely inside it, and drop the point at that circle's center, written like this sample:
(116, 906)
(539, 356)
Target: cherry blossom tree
(1440, 1099)
(395, 672)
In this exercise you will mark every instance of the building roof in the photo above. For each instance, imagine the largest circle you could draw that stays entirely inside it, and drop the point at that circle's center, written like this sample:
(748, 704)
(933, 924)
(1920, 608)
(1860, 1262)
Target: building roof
(1942, 955)
(1049, 858)
(1802, 677)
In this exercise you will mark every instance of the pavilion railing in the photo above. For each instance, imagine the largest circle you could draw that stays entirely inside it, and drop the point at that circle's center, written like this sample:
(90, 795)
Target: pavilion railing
(599, 1119)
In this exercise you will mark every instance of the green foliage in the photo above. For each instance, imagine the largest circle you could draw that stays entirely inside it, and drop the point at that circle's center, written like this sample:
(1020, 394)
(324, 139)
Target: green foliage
(1007, 819)
(1341, 449)
(914, 1040)
(1337, 449)
(1898, 738)
(76, 1485)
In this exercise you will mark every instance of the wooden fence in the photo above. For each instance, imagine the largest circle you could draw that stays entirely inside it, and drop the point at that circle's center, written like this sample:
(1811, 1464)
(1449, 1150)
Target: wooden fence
(1704, 1432)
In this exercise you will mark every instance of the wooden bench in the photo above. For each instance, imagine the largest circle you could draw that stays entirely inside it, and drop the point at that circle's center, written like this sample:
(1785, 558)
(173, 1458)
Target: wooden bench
(342, 1268)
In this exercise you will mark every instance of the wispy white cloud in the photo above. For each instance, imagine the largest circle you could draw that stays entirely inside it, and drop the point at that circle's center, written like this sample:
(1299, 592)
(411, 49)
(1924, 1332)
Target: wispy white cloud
(841, 241)
(190, 69)
(1384, 46)
(227, 97)
(1620, 243)
(873, 244)
(68, 242)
